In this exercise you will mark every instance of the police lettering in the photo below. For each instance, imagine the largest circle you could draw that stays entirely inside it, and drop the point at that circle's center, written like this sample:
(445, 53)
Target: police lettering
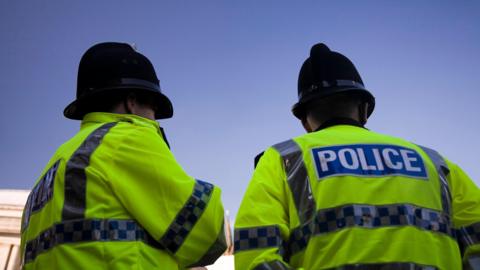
(40, 194)
(368, 160)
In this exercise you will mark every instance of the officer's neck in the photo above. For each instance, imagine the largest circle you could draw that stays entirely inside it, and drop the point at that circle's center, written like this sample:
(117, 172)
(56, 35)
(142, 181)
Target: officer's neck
(339, 121)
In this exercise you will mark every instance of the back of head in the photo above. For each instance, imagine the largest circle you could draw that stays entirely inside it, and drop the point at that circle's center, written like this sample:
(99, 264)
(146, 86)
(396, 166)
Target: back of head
(341, 105)
(107, 73)
(330, 84)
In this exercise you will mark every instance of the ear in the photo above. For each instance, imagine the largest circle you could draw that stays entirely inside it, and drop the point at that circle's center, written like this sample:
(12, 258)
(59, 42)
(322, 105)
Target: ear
(363, 112)
(306, 125)
(130, 103)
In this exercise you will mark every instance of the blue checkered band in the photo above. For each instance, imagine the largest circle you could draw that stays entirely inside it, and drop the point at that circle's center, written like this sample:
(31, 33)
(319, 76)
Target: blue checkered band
(257, 238)
(385, 266)
(187, 217)
(297, 178)
(369, 216)
(272, 265)
(299, 239)
(469, 235)
(41, 194)
(87, 230)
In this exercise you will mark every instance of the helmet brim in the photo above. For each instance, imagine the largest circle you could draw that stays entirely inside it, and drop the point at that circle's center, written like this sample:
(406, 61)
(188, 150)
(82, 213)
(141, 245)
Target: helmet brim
(299, 108)
(77, 109)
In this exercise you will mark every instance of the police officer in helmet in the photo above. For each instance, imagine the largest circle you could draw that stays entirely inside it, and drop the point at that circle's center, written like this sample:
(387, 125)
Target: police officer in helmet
(113, 196)
(331, 91)
(344, 197)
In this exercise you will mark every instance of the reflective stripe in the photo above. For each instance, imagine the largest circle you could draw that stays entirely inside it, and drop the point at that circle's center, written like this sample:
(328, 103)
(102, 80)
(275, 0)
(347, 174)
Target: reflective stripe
(297, 178)
(369, 216)
(385, 266)
(187, 216)
(443, 171)
(469, 235)
(215, 251)
(75, 176)
(257, 238)
(273, 265)
(87, 230)
(472, 263)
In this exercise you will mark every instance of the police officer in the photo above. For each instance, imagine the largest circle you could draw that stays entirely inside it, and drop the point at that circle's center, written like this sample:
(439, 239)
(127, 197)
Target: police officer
(344, 197)
(113, 196)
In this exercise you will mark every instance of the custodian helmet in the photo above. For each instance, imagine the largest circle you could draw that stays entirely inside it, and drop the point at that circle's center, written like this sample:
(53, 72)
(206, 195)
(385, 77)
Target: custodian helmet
(111, 68)
(327, 73)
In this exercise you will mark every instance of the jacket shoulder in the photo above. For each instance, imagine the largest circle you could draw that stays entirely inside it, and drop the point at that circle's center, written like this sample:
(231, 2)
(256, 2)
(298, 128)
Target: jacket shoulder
(283, 148)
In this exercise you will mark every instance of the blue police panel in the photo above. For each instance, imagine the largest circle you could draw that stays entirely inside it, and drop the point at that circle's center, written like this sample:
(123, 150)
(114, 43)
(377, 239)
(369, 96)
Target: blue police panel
(368, 160)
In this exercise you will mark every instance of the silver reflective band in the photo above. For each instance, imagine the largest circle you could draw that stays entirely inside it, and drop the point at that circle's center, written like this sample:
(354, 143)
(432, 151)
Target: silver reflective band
(86, 230)
(215, 250)
(385, 266)
(125, 83)
(443, 171)
(341, 83)
(76, 177)
(273, 265)
(333, 83)
(138, 82)
(468, 235)
(297, 178)
(187, 217)
(369, 216)
(472, 263)
(257, 238)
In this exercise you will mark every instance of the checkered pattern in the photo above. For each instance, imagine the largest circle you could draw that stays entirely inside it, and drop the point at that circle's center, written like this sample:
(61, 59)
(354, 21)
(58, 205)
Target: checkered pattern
(187, 217)
(370, 216)
(87, 230)
(385, 266)
(257, 237)
(299, 239)
(469, 235)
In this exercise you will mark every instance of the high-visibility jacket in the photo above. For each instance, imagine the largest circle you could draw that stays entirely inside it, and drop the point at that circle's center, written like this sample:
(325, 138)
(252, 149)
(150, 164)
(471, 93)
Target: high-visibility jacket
(114, 197)
(345, 197)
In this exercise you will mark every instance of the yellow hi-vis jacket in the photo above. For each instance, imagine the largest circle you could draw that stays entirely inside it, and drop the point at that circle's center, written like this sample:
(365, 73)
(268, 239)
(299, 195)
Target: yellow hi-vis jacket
(348, 198)
(114, 197)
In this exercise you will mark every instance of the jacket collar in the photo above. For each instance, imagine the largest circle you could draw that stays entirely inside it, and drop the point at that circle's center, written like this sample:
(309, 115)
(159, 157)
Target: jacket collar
(339, 121)
(103, 117)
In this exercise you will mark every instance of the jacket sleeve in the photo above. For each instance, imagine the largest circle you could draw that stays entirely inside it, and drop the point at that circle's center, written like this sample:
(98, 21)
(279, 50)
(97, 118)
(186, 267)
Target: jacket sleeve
(466, 214)
(262, 222)
(183, 214)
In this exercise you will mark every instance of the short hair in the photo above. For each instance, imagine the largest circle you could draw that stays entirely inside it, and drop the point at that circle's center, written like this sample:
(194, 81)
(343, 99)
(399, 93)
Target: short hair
(108, 102)
(338, 105)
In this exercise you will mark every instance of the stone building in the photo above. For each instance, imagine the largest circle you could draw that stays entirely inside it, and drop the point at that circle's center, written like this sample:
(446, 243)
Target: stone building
(11, 207)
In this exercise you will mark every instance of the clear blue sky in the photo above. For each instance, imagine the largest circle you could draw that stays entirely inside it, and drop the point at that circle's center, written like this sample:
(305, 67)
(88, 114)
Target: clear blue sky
(230, 69)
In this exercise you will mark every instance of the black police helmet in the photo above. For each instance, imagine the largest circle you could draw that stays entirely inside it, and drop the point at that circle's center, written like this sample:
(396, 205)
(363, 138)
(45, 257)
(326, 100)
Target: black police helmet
(327, 73)
(109, 69)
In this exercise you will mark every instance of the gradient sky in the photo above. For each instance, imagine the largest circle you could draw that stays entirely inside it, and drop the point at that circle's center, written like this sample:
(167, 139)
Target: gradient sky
(230, 69)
